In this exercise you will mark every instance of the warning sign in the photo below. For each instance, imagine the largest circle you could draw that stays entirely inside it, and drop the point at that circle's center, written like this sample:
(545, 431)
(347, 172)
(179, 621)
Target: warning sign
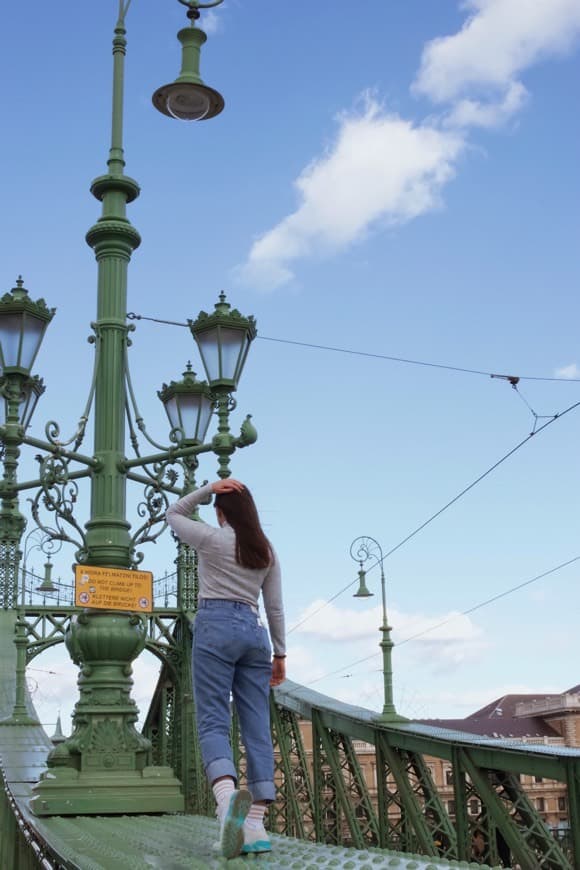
(113, 589)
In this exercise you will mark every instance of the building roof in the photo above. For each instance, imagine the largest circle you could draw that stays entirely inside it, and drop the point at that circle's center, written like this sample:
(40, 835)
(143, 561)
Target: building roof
(498, 719)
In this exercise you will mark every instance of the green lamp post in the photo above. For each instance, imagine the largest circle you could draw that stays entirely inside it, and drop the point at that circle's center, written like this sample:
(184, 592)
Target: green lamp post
(361, 550)
(103, 767)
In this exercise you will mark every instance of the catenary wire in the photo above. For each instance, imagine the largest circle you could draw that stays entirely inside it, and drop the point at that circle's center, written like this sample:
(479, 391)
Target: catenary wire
(443, 622)
(414, 362)
(446, 506)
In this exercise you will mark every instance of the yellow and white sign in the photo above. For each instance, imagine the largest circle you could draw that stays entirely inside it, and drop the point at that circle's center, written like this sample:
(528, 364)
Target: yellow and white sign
(113, 589)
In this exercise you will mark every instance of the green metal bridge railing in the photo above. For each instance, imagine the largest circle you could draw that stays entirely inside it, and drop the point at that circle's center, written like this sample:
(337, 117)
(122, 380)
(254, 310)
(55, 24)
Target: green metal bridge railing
(326, 808)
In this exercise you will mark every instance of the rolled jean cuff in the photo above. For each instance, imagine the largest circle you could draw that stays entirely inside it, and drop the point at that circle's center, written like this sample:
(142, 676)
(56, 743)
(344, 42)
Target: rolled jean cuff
(221, 767)
(264, 790)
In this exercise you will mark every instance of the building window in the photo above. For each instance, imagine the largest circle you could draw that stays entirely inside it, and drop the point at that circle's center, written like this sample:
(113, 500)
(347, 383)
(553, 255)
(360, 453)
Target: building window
(562, 804)
(538, 779)
(541, 805)
(451, 808)
(474, 807)
(448, 776)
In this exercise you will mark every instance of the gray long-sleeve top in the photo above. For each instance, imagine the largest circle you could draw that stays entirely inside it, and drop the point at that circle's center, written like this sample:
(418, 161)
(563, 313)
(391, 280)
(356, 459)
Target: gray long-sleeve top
(220, 576)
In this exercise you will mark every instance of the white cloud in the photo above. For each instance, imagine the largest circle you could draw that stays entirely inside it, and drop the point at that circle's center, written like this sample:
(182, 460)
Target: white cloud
(339, 624)
(211, 23)
(444, 642)
(303, 665)
(572, 371)
(476, 113)
(384, 170)
(381, 168)
(500, 39)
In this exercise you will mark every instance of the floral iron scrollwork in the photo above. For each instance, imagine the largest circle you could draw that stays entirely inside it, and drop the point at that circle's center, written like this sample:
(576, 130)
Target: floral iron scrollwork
(58, 494)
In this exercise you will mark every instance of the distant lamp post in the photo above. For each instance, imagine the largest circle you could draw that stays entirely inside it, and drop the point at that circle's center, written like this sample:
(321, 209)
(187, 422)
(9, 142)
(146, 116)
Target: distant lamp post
(36, 539)
(47, 586)
(361, 550)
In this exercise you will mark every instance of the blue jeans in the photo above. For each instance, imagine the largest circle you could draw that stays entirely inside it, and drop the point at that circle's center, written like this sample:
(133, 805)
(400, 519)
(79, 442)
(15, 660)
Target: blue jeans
(231, 654)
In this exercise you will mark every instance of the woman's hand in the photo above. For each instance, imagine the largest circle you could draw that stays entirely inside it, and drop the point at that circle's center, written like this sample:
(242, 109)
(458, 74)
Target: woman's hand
(227, 485)
(278, 671)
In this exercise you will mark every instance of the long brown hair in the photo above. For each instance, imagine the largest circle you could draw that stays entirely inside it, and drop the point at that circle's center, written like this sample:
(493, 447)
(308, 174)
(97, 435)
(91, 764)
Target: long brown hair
(253, 549)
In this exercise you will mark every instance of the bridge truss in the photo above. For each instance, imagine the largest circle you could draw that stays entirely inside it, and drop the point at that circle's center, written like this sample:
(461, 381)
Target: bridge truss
(323, 793)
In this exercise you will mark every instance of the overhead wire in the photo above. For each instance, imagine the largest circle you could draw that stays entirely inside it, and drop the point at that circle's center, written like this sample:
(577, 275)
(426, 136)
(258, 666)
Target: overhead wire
(445, 507)
(415, 362)
(512, 379)
(455, 616)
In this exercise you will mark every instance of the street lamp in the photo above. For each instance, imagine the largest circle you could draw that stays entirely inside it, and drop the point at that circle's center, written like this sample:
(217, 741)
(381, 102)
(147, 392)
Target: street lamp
(188, 98)
(102, 768)
(22, 327)
(188, 405)
(362, 549)
(223, 339)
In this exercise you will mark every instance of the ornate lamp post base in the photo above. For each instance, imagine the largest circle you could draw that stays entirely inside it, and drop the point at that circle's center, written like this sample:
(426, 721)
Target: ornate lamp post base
(67, 792)
(101, 767)
(390, 718)
(20, 718)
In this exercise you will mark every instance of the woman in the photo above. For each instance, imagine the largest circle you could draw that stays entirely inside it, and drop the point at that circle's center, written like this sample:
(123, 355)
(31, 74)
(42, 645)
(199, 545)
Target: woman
(231, 654)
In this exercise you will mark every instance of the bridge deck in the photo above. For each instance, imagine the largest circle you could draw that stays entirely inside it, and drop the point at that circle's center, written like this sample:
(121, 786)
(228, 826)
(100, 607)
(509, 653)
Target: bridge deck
(168, 842)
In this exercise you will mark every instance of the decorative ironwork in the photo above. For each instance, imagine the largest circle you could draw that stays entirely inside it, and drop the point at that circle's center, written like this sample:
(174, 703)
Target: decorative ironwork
(9, 570)
(58, 494)
(153, 507)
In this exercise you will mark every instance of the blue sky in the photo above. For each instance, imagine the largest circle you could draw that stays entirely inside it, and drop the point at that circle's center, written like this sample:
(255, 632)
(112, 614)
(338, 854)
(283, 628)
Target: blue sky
(396, 178)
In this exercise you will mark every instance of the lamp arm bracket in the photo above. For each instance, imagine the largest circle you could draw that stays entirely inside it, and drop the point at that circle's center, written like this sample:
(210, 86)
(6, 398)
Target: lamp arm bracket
(175, 436)
(364, 548)
(170, 456)
(35, 484)
(146, 481)
(52, 432)
(56, 450)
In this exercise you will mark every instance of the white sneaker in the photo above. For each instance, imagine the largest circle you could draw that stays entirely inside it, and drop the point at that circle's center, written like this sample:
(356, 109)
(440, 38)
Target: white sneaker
(232, 823)
(256, 840)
